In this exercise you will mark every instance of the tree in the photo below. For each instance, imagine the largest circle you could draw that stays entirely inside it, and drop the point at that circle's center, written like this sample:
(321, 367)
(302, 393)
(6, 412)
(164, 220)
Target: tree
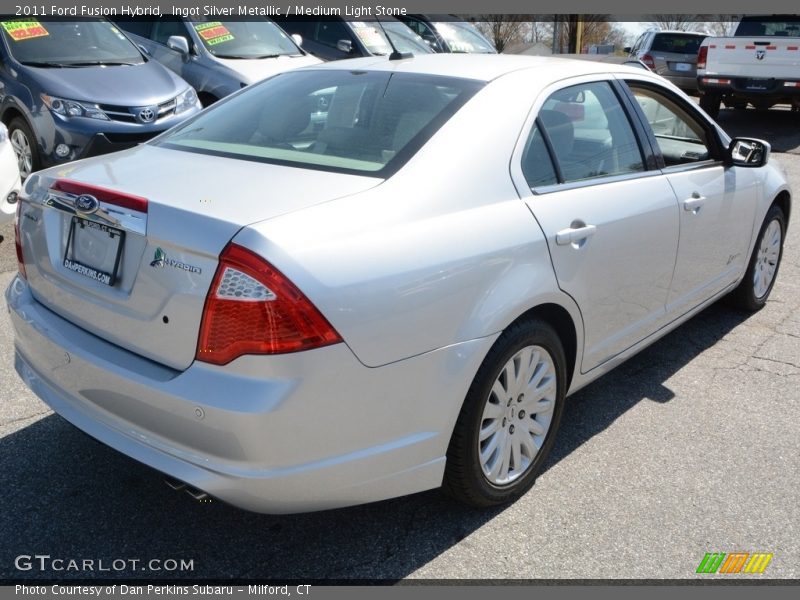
(675, 22)
(501, 29)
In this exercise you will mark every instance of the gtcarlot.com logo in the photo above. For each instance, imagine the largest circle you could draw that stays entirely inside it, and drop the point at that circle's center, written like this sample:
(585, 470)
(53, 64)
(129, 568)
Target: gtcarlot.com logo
(45, 562)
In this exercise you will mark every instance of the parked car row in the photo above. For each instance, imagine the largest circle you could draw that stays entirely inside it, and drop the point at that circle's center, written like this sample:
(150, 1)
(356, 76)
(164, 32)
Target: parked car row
(78, 88)
(756, 66)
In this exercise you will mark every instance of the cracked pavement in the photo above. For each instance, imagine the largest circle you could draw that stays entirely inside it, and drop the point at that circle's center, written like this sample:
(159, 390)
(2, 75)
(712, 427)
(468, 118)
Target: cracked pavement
(690, 447)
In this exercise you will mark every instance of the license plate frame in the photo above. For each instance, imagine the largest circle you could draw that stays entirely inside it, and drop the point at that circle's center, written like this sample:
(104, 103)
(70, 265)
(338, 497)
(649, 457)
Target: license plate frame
(94, 273)
(683, 67)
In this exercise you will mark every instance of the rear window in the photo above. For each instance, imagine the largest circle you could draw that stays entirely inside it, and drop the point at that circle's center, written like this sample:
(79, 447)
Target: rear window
(359, 122)
(677, 42)
(779, 26)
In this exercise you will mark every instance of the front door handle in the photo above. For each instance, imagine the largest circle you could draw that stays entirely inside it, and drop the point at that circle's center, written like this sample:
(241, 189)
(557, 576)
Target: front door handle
(571, 235)
(694, 203)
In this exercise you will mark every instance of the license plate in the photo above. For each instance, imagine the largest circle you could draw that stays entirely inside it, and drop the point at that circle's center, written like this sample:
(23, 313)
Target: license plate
(94, 250)
(683, 66)
(756, 84)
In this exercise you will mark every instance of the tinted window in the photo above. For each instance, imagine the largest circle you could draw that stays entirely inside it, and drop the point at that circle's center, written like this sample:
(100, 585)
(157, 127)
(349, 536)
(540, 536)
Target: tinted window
(677, 42)
(135, 26)
(680, 137)
(359, 122)
(330, 32)
(589, 133)
(779, 25)
(536, 163)
(167, 27)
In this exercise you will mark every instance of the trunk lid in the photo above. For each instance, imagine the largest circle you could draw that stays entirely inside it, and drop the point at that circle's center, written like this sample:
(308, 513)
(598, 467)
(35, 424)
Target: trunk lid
(171, 213)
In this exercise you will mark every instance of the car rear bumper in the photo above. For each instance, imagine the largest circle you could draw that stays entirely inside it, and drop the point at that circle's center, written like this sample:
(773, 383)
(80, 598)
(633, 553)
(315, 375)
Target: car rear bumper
(282, 434)
(775, 90)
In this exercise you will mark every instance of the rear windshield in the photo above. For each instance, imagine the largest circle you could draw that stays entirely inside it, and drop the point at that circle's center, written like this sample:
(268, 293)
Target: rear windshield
(43, 43)
(682, 43)
(359, 122)
(780, 26)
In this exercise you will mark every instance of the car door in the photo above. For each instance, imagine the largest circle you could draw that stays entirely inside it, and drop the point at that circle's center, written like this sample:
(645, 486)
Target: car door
(717, 202)
(609, 215)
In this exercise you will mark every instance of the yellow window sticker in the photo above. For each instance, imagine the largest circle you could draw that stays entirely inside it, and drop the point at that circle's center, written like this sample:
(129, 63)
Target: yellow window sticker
(24, 30)
(213, 33)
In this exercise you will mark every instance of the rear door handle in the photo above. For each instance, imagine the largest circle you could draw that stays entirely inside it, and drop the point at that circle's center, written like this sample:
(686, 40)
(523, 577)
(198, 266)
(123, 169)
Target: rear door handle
(571, 235)
(694, 203)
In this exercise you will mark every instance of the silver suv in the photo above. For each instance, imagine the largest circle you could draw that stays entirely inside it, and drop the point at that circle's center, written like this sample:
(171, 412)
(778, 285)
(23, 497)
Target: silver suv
(671, 54)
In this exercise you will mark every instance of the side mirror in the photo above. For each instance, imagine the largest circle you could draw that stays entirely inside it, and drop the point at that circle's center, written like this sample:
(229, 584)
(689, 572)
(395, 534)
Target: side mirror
(298, 39)
(178, 43)
(748, 152)
(345, 46)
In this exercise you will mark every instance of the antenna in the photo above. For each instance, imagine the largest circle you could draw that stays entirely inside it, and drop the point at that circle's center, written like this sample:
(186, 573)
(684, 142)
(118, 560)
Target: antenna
(396, 54)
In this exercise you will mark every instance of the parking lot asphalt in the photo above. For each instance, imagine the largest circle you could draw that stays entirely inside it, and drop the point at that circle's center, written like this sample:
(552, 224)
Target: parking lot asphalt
(690, 447)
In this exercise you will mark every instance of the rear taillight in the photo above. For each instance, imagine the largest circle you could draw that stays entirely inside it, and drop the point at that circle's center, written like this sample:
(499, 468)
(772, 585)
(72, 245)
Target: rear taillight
(251, 308)
(648, 61)
(18, 241)
(702, 57)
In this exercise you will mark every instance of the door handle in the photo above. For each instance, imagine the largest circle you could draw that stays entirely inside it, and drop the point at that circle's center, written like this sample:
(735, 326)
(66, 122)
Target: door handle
(570, 235)
(694, 203)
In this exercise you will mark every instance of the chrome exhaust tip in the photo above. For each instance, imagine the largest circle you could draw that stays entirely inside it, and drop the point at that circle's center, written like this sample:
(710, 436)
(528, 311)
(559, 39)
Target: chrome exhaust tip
(177, 485)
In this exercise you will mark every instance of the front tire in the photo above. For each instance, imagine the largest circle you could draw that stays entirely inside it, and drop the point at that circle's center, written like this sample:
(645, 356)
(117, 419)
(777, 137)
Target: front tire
(710, 103)
(24, 143)
(762, 270)
(509, 419)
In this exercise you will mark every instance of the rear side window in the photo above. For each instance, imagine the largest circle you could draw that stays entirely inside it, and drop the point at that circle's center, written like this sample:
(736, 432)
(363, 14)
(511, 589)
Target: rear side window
(537, 166)
(589, 134)
(677, 42)
(348, 121)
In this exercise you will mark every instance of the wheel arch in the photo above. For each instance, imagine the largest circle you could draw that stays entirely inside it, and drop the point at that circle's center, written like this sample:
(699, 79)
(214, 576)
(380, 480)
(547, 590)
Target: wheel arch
(560, 319)
(784, 201)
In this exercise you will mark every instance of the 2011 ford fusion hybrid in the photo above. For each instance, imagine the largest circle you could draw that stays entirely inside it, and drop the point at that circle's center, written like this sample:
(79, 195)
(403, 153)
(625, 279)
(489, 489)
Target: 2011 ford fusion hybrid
(376, 277)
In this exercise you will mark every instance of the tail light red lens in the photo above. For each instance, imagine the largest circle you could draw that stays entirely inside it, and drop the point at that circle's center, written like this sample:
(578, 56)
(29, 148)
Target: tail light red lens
(252, 308)
(702, 57)
(18, 241)
(649, 62)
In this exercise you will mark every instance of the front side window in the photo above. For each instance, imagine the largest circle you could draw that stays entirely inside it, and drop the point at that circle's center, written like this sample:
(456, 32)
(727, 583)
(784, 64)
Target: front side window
(45, 43)
(348, 121)
(589, 134)
(680, 138)
(166, 28)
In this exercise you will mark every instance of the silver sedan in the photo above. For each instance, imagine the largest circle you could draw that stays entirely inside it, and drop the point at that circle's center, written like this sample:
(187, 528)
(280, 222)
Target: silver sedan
(376, 277)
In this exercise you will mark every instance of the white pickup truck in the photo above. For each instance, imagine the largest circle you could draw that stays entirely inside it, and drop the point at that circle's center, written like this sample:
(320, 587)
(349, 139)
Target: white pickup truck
(760, 65)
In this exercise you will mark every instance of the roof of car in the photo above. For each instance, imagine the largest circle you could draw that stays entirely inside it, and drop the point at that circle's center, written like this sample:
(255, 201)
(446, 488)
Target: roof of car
(482, 67)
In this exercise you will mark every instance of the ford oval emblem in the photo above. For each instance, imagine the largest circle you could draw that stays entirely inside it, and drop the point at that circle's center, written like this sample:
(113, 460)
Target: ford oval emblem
(86, 204)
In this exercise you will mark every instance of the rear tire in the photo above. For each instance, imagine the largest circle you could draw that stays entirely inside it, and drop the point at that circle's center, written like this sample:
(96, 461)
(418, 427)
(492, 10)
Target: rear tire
(762, 270)
(710, 103)
(509, 419)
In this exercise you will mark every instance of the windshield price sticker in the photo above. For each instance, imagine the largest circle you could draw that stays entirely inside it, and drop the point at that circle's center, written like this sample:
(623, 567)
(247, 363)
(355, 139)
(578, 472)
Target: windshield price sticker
(213, 33)
(24, 30)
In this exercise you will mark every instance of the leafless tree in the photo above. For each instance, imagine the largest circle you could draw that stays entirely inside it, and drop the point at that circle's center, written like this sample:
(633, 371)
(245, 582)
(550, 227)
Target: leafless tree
(675, 22)
(502, 30)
